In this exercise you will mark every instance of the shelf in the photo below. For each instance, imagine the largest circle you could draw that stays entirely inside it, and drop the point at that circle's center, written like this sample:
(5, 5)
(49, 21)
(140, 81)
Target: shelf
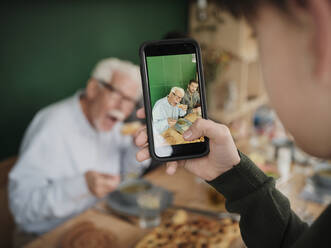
(227, 117)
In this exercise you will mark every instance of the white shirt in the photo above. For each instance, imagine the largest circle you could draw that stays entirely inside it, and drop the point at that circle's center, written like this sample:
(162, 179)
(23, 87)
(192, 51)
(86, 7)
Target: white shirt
(162, 110)
(47, 184)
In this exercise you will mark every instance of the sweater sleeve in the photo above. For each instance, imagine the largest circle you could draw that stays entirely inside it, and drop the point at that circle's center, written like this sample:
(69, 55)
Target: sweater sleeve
(266, 218)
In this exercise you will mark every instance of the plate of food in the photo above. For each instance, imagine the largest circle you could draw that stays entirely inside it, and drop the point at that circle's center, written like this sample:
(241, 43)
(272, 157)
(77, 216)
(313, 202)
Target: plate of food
(181, 229)
(182, 125)
(124, 199)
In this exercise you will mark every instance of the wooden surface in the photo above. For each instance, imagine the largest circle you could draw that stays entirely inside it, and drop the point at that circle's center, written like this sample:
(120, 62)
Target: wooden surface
(126, 234)
(188, 191)
(172, 137)
(292, 189)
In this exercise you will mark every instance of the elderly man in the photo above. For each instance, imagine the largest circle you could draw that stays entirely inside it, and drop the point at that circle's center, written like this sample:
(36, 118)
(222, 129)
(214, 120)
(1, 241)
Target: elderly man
(192, 98)
(73, 152)
(167, 110)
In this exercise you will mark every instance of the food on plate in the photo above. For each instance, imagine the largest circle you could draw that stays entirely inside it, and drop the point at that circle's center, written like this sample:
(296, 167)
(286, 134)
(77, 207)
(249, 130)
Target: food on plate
(180, 217)
(135, 188)
(192, 231)
(131, 128)
(181, 122)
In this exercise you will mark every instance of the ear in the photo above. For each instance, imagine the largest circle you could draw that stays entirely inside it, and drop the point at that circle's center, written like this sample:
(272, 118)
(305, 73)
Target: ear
(320, 11)
(92, 89)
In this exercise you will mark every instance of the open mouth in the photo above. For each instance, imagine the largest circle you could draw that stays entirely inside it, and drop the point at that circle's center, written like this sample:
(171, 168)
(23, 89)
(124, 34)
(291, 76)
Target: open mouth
(115, 116)
(112, 118)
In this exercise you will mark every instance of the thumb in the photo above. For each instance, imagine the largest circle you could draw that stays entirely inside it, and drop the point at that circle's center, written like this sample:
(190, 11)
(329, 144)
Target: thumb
(207, 128)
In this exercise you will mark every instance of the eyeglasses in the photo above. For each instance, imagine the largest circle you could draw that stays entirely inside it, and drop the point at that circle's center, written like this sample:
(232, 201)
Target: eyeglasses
(177, 97)
(125, 99)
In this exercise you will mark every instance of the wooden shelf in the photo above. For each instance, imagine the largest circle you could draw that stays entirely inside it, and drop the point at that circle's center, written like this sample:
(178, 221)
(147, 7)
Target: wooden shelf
(227, 117)
(237, 81)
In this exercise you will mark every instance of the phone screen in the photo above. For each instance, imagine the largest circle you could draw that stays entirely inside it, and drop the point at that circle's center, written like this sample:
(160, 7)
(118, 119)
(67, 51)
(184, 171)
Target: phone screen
(175, 98)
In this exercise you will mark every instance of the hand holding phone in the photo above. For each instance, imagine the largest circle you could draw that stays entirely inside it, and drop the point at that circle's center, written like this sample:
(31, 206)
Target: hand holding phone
(172, 79)
(223, 153)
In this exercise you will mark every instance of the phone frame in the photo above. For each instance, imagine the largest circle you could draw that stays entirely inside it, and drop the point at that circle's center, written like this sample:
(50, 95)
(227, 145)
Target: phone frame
(193, 150)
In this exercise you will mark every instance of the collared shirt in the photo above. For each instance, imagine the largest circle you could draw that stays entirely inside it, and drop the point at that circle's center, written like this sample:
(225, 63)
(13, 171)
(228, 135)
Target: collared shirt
(191, 100)
(47, 184)
(162, 110)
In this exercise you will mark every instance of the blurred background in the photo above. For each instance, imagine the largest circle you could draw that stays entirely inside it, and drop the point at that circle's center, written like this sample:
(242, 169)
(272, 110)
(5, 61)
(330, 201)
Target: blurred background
(48, 49)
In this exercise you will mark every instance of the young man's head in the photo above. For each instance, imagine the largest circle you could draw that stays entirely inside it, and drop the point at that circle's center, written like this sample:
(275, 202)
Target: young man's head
(192, 86)
(294, 38)
(111, 93)
(175, 96)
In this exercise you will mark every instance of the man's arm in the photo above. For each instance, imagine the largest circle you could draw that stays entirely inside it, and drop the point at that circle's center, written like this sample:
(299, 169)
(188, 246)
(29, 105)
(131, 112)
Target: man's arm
(42, 185)
(266, 217)
(160, 119)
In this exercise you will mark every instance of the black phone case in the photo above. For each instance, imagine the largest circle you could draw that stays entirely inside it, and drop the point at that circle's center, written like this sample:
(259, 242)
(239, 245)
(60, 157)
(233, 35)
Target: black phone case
(146, 92)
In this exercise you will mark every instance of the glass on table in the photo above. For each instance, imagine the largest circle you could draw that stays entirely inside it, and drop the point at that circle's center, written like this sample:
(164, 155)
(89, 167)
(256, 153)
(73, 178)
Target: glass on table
(149, 202)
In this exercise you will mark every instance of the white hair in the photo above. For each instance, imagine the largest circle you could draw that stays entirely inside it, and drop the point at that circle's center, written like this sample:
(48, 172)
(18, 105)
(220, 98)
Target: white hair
(105, 68)
(174, 89)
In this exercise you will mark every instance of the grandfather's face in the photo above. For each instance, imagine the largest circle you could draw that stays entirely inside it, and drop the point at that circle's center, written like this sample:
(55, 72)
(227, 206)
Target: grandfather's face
(175, 97)
(289, 59)
(115, 103)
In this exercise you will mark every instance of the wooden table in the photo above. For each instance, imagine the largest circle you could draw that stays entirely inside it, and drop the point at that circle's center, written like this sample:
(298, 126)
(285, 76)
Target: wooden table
(172, 137)
(292, 189)
(188, 191)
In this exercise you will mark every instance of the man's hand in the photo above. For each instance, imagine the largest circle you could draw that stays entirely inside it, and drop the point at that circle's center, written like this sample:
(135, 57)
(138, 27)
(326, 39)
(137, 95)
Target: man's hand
(100, 184)
(183, 107)
(223, 153)
(171, 122)
(196, 110)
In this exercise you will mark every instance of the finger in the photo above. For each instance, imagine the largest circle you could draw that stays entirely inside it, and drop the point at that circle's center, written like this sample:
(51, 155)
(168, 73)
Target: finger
(143, 155)
(102, 192)
(141, 129)
(141, 113)
(141, 138)
(109, 184)
(208, 128)
(171, 167)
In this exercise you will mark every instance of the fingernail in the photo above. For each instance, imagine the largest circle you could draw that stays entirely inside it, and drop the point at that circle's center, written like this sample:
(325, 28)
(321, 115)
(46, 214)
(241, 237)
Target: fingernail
(187, 134)
(171, 170)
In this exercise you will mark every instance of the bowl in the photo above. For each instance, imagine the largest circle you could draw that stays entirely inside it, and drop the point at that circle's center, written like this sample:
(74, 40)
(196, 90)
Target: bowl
(128, 190)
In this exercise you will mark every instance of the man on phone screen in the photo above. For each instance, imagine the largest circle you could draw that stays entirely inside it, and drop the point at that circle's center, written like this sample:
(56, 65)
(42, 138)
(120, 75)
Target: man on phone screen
(167, 110)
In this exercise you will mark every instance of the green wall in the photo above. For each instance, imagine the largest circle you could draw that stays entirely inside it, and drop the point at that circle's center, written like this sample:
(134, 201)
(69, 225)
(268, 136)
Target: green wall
(165, 72)
(48, 48)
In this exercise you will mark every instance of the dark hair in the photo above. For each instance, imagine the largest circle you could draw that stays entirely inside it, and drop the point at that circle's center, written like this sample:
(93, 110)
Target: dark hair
(175, 35)
(249, 8)
(192, 81)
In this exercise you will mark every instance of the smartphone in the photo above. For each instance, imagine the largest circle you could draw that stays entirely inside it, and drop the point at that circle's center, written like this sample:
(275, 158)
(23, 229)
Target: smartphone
(174, 97)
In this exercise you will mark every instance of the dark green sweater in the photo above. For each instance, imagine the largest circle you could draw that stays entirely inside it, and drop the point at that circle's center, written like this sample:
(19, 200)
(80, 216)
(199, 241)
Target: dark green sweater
(266, 217)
